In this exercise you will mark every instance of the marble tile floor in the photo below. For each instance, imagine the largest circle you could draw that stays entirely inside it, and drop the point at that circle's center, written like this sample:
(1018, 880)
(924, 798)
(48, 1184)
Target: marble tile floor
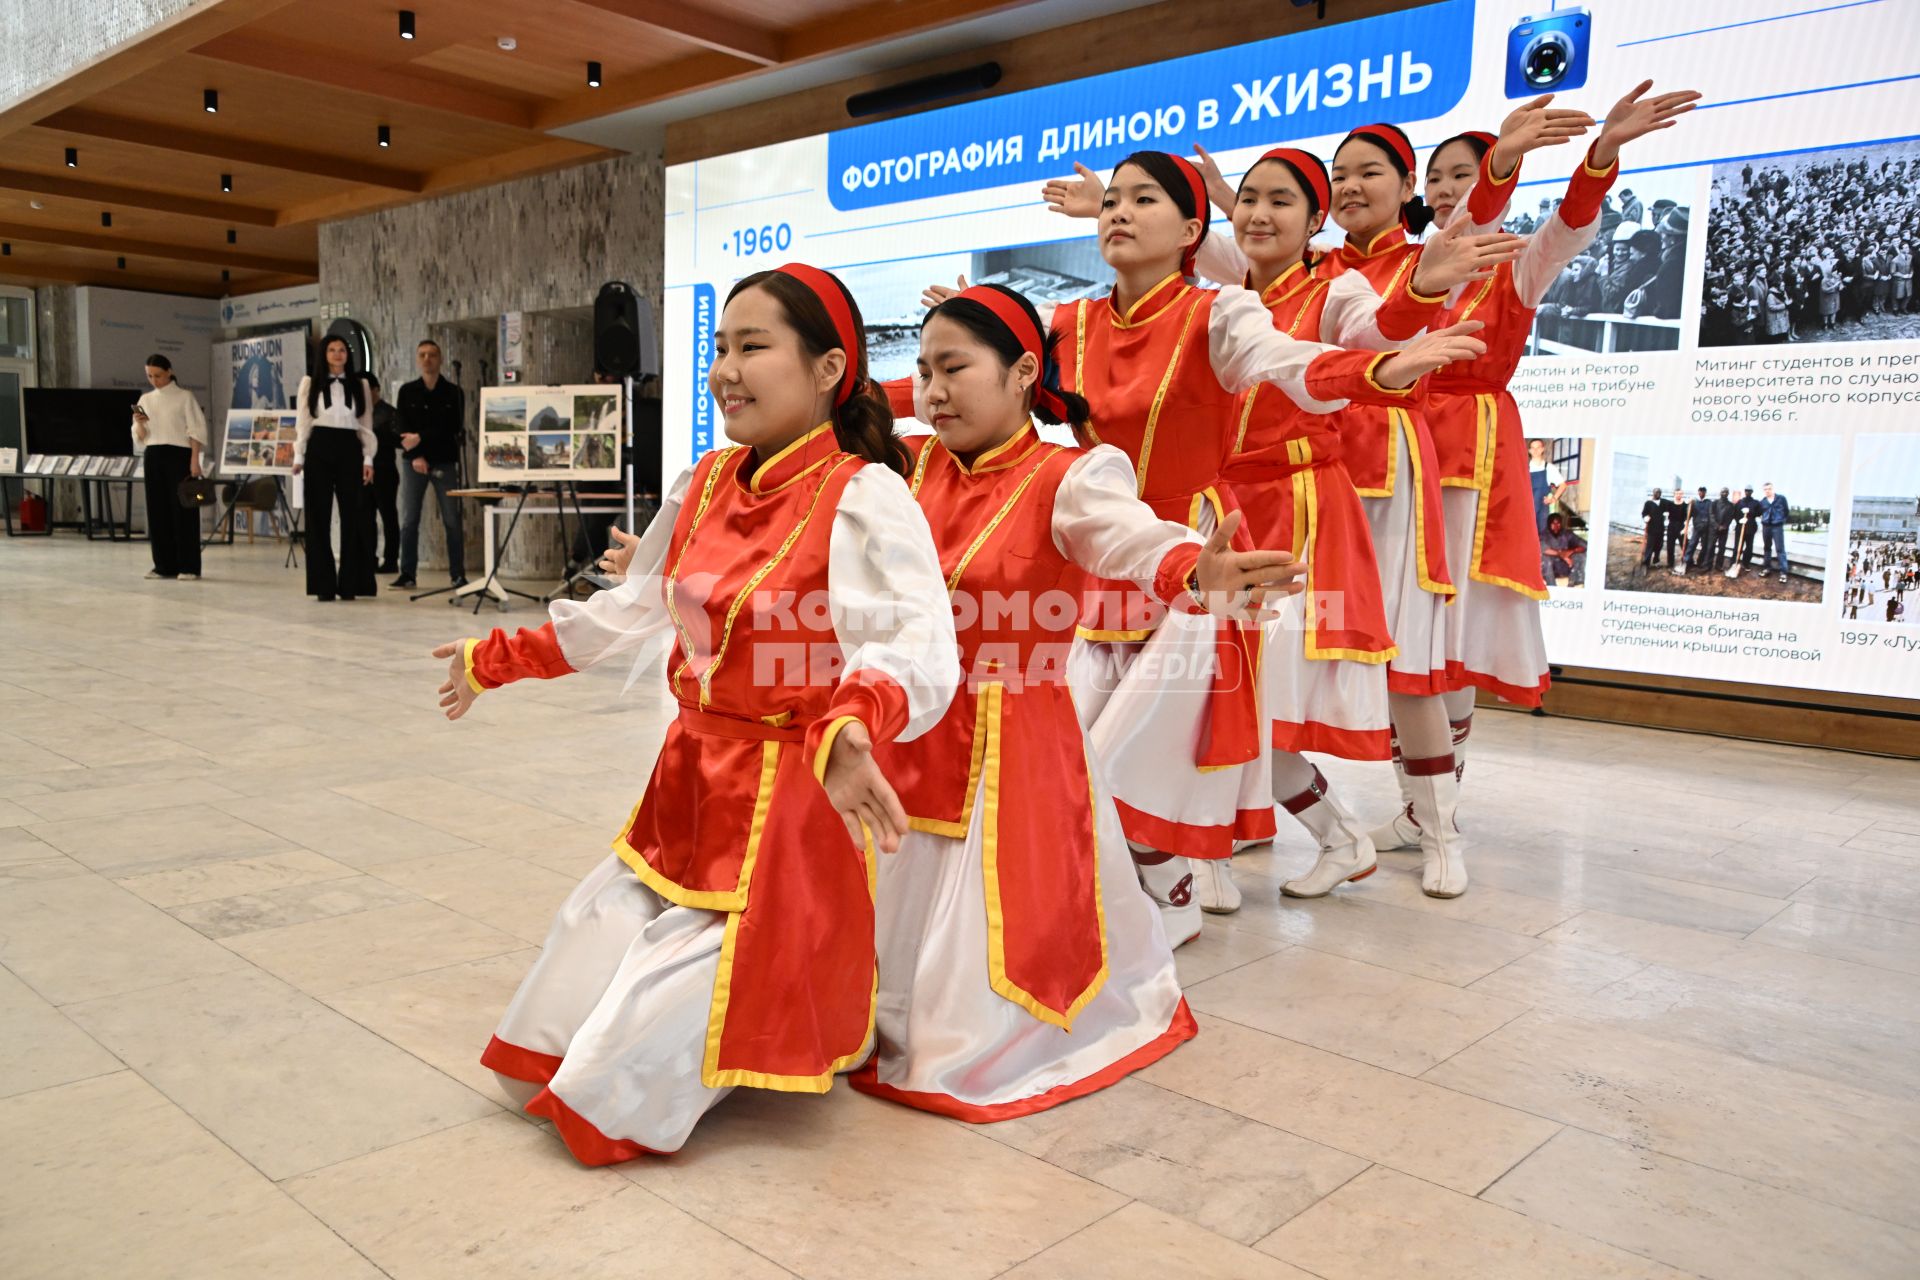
(260, 906)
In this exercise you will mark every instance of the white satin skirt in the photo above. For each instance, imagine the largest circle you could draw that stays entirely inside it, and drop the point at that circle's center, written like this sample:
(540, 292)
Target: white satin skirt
(620, 994)
(1331, 705)
(1493, 636)
(1414, 614)
(947, 1043)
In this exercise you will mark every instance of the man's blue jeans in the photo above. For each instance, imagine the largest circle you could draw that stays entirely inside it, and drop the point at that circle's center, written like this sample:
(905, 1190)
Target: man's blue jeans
(413, 493)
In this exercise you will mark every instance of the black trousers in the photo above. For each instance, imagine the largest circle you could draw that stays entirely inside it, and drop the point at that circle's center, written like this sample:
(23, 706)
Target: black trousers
(173, 530)
(386, 505)
(332, 476)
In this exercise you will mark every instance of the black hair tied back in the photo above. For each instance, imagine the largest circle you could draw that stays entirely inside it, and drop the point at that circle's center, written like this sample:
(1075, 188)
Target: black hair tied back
(985, 326)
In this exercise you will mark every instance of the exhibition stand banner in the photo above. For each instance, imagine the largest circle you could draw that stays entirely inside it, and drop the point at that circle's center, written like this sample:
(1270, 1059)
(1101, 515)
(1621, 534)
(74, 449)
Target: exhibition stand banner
(550, 433)
(262, 372)
(1746, 317)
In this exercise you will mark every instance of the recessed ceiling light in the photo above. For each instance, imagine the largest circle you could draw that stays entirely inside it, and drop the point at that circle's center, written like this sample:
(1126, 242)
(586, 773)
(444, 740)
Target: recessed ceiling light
(73, 157)
(211, 98)
(406, 24)
(226, 182)
(386, 136)
(508, 43)
(593, 74)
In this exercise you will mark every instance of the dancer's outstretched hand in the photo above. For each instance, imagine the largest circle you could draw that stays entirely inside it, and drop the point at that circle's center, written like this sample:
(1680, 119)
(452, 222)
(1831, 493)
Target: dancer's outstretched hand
(456, 695)
(1452, 257)
(935, 294)
(1534, 125)
(619, 554)
(1238, 584)
(1428, 352)
(1636, 116)
(1078, 196)
(1219, 190)
(860, 793)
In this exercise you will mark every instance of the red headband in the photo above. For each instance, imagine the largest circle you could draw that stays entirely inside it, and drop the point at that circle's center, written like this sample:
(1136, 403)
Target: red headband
(1482, 137)
(834, 299)
(1018, 323)
(1312, 171)
(1197, 185)
(1388, 137)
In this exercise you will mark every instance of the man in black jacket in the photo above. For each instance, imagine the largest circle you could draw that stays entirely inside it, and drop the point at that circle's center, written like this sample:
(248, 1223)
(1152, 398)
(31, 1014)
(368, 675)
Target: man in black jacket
(433, 415)
(1724, 512)
(386, 480)
(1654, 512)
(1676, 510)
(1747, 528)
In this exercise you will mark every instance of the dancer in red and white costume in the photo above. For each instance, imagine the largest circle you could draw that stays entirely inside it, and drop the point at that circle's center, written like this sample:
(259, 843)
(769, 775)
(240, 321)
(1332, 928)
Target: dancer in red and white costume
(1161, 351)
(1021, 965)
(1493, 636)
(729, 939)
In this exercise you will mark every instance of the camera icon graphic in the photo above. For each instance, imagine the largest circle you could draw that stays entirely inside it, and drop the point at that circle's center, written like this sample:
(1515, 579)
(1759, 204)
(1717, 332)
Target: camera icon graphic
(1547, 53)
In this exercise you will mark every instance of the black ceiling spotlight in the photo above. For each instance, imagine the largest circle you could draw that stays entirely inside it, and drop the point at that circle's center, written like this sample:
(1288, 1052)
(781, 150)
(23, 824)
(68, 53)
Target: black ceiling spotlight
(233, 237)
(386, 136)
(106, 219)
(918, 93)
(6, 251)
(123, 264)
(406, 24)
(1320, 6)
(211, 98)
(226, 183)
(73, 157)
(593, 75)
(225, 275)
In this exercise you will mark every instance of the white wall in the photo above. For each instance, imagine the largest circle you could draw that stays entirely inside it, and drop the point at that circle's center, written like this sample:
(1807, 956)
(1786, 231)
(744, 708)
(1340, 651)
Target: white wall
(117, 329)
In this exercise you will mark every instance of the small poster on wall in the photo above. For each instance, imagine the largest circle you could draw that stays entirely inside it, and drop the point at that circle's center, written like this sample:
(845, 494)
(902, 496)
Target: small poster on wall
(257, 442)
(550, 433)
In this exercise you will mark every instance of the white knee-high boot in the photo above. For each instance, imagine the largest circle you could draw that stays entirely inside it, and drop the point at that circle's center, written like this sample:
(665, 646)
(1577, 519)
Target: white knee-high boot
(1402, 831)
(1169, 882)
(1346, 852)
(1436, 797)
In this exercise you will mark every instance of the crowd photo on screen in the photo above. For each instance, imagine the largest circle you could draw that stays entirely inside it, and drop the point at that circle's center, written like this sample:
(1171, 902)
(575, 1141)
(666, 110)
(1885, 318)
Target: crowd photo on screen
(1813, 248)
(1625, 291)
(1883, 536)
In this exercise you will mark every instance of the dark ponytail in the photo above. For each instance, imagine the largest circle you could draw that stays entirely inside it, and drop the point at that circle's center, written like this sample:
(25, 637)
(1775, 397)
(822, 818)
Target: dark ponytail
(1391, 142)
(977, 320)
(863, 422)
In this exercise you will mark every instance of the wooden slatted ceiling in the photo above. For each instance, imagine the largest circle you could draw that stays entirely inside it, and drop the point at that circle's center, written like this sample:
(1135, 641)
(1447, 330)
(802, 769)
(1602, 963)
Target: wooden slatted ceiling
(304, 86)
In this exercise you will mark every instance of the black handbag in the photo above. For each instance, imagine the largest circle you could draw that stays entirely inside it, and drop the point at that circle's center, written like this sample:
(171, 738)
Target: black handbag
(196, 491)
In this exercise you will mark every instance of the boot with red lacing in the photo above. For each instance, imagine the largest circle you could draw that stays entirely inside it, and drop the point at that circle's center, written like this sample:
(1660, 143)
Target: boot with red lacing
(1346, 851)
(1435, 788)
(1169, 882)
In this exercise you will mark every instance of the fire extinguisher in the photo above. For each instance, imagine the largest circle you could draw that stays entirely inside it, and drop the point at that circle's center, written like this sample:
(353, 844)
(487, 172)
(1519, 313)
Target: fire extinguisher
(33, 513)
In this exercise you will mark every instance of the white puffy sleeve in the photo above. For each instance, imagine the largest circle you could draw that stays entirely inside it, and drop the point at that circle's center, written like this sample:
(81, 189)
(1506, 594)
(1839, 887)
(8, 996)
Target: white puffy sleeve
(1349, 317)
(1546, 255)
(1246, 349)
(890, 613)
(1101, 525)
(616, 621)
(1220, 259)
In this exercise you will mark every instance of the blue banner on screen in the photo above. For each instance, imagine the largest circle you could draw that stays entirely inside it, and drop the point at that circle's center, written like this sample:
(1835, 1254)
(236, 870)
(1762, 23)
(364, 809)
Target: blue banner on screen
(705, 315)
(1407, 66)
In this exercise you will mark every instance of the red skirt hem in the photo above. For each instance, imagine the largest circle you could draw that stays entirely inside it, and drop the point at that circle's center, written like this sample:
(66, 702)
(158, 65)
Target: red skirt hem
(1181, 1029)
(1431, 685)
(1185, 840)
(519, 1064)
(588, 1145)
(1348, 744)
(1459, 677)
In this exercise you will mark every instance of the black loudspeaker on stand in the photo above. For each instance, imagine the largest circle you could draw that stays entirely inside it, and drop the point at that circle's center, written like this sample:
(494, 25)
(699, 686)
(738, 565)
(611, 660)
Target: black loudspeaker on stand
(624, 347)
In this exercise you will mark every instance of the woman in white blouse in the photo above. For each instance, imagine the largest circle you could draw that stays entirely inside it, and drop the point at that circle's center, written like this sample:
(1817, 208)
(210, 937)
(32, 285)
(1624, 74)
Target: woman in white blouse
(333, 448)
(168, 421)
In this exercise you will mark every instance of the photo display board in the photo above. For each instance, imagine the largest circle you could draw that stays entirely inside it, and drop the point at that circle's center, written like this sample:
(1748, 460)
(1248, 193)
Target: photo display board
(258, 442)
(1746, 315)
(550, 433)
(262, 372)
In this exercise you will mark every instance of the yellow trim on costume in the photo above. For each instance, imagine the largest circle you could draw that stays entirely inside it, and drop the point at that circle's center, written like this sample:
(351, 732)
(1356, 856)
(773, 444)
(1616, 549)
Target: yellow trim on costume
(1080, 348)
(759, 576)
(714, 468)
(1306, 536)
(466, 659)
(1373, 365)
(966, 557)
(1159, 396)
(1488, 416)
(710, 1073)
(1246, 417)
(1466, 312)
(1494, 179)
(753, 485)
(1586, 162)
(1132, 319)
(1370, 251)
(1267, 294)
(1113, 637)
(957, 829)
(995, 459)
(735, 899)
(920, 466)
(826, 745)
(1405, 424)
(997, 977)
